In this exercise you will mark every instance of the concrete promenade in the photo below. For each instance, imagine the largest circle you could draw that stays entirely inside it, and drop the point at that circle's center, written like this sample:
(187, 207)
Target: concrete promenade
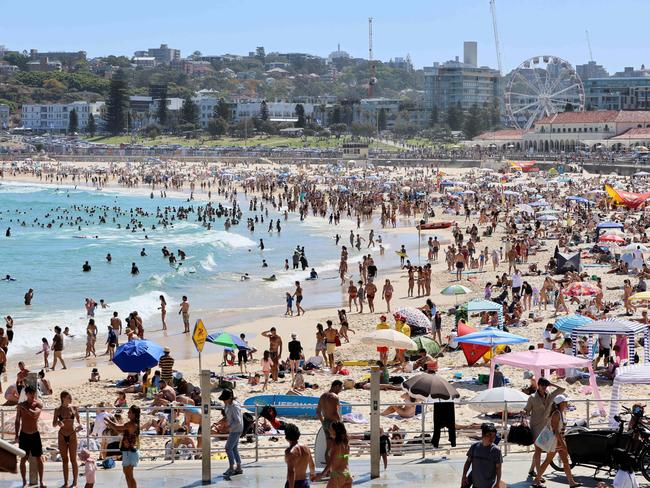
(402, 472)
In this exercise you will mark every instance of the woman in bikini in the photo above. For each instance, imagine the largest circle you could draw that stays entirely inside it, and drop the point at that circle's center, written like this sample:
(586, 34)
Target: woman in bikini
(337, 466)
(352, 296)
(320, 340)
(64, 417)
(387, 294)
(129, 445)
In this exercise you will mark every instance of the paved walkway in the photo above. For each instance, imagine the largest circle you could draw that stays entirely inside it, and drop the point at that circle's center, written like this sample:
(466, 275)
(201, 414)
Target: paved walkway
(402, 472)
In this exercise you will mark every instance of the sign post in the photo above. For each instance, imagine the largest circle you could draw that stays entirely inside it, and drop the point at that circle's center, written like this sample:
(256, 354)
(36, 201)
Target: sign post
(199, 336)
(375, 455)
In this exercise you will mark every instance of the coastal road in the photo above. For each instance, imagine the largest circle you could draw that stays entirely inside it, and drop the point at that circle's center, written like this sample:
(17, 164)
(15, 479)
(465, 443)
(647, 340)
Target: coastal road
(402, 472)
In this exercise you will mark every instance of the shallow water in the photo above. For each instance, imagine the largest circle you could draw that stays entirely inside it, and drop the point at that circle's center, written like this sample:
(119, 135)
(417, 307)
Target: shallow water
(50, 261)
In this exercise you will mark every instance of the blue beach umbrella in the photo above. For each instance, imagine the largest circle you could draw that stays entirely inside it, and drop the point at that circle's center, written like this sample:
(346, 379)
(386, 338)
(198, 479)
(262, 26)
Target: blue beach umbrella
(491, 337)
(568, 323)
(226, 339)
(135, 356)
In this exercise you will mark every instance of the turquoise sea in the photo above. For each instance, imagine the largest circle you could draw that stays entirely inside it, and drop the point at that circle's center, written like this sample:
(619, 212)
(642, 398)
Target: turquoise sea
(50, 260)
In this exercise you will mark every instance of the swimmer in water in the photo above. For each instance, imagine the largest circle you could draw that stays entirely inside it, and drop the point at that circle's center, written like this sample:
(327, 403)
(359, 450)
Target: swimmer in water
(134, 269)
(109, 258)
(143, 253)
(86, 267)
(270, 278)
(8, 278)
(245, 277)
(313, 275)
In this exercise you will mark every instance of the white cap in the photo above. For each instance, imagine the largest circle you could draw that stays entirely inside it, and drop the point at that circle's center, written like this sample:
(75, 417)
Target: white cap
(560, 398)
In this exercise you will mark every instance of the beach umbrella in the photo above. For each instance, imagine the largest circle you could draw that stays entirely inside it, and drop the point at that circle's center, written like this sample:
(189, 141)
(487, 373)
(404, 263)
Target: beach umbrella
(496, 400)
(634, 245)
(581, 289)
(137, 355)
(429, 385)
(548, 211)
(455, 290)
(429, 345)
(641, 174)
(643, 295)
(414, 317)
(388, 338)
(547, 218)
(510, 193)
(569, 322)
(491, 337)
(611, 238)
(540, 203)
(227, 340)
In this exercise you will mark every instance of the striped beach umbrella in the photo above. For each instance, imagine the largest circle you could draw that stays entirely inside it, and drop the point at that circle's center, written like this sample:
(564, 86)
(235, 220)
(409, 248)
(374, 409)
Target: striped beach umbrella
(569, 322)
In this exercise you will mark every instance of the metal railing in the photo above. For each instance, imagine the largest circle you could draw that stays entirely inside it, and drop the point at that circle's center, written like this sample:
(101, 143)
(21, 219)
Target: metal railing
(172, 444)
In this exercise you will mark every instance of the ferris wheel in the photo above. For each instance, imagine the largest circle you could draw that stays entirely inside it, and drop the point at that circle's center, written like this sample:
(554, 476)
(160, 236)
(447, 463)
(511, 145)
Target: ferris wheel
(542, 86)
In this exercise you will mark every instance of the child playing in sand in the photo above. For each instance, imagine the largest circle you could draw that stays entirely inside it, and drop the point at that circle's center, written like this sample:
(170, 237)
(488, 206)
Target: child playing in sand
(289, 298)
(90, 467)
(46, 353)
(266, 368)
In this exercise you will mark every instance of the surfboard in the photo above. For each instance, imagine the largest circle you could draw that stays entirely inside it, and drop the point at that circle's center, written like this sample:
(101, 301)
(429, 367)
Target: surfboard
(472, 352)
(290, 405)
(320, 448)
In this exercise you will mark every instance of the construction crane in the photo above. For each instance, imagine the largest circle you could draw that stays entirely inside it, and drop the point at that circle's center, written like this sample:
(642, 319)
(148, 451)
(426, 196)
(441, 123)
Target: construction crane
(373, 79)
(591, 55)
(495, 28)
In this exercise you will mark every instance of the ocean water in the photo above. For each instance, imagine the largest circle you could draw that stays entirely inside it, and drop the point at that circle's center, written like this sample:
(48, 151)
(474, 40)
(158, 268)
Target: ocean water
(50, 260)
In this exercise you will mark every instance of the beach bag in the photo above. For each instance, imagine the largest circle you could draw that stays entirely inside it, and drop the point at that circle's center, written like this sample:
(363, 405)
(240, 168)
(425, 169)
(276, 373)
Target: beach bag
(546, 440)
(521, 434)
(108, 463)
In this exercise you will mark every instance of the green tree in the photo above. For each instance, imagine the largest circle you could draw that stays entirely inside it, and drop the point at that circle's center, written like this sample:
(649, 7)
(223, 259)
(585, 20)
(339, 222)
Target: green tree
(260, 53)
(264, 111)
(338, 129)
(152, 131)
(91, 127)
(434, 119)
(189, 112)
(73, 121)
(455, 117)
(117, 103)
(473, 122)
(222, 110)
(217, 127)
(336, 115)
(162, 111)
(17, 59)
(381, 119)
(300, 113)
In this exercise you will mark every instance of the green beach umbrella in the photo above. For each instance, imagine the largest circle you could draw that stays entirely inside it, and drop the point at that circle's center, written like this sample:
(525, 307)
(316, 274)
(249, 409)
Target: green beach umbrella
(429, 345)
(455, 290)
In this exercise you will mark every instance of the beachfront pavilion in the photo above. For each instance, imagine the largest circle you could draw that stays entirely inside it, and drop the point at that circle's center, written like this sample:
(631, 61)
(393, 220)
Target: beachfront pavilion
(542, 361)
(628, 328)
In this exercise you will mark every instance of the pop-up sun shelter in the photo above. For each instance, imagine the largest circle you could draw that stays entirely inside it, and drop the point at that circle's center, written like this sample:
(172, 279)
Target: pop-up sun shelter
(481, 305)
(614, 327)
(539, 360)
(639, 374)
(567, 262)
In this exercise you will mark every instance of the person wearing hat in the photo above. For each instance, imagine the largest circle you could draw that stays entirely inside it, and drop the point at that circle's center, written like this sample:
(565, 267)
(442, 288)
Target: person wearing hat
(538, 407)
(295, 354)
(166, 363)
(382, 350)
(235, 422)
(557, 423)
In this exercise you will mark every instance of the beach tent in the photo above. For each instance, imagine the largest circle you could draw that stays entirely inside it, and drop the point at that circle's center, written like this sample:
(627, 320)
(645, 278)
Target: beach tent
(540, 360)
(607, 225)
(482, 305)
(567, 262)
(638, 374)
(429, 345)
(614, 327)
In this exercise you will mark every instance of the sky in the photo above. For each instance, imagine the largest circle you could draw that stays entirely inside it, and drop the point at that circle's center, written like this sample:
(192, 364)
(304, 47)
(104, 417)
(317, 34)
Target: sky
(428, 30)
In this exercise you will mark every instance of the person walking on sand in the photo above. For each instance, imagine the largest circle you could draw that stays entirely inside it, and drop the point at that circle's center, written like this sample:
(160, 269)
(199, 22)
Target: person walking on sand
(129, 444)
(185, 312)
(91, 338)
(352, 297)
(298, 458)
(371, 291)
(64, 417)
(166, 364)
(387, 294)
(27, 435)
(57, 348)
(298, 296)
(331, 338)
